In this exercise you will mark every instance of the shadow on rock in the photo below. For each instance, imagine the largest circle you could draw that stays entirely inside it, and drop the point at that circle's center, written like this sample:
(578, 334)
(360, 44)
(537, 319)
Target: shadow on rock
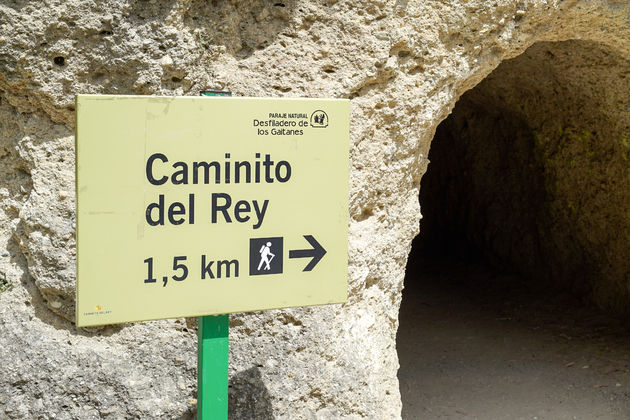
(248, 396)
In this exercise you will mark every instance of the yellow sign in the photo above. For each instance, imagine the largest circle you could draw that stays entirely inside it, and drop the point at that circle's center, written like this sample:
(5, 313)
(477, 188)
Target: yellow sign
(195, 206)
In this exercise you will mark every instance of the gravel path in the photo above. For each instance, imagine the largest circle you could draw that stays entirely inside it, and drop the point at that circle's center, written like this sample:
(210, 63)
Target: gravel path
(474, 346)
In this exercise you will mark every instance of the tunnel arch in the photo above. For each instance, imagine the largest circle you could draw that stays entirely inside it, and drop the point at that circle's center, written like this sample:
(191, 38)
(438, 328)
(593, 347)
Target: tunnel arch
(530, 174)
(532, 170)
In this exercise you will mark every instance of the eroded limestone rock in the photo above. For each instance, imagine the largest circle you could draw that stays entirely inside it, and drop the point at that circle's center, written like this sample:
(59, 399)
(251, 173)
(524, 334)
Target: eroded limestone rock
(404, 64)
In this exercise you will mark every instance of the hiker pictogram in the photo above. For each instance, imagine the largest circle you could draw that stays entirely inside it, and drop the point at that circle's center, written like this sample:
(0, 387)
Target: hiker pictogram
(265, 256)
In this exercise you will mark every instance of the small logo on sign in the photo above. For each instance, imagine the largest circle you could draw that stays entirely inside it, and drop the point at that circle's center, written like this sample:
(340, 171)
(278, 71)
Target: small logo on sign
(98, 307)
(319, 119)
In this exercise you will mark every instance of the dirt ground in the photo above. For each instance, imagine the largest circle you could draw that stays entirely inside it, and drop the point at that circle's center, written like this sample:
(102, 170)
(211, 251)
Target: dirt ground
(473, 344)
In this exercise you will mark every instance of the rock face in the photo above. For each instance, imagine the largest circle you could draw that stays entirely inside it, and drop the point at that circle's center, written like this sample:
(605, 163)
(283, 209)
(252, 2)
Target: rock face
(404, 65)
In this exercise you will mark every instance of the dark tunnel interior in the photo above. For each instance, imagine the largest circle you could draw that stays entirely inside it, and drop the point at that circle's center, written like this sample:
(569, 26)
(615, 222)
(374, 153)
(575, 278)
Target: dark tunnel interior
(522, 265)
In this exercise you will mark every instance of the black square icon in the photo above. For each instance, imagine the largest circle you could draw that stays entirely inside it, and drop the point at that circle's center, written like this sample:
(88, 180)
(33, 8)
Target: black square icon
(265, 256)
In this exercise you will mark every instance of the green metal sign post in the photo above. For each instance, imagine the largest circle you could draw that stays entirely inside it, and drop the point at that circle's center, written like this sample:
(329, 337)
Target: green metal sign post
(212, 355)
(212, 367)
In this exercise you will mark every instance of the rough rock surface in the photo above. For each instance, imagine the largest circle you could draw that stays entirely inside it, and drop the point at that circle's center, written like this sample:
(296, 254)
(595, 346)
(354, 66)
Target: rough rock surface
(403, 63)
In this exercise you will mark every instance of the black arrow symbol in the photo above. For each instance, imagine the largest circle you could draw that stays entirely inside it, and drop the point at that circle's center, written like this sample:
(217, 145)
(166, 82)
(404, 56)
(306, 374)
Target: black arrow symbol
(317, 253)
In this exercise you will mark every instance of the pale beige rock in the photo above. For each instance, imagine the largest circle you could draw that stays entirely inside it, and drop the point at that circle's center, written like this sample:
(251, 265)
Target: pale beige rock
(404, 64)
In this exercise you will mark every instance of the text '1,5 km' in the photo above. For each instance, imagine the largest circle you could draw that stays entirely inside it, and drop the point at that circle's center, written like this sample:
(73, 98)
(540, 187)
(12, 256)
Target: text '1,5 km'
(188, 206)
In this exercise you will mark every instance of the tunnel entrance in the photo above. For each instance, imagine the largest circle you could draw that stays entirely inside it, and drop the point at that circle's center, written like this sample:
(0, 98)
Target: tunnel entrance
(517, 298)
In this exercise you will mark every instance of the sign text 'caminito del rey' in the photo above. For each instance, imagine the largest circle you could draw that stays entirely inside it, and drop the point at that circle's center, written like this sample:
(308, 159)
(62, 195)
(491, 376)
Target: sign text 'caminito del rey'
(194, 206)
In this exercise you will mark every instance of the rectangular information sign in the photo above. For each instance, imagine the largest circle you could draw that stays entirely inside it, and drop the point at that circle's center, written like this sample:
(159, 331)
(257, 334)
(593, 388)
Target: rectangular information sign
(191, 206)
